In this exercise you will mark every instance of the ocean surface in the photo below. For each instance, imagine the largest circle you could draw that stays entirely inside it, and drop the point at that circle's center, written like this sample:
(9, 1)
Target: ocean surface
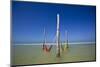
(25, 54)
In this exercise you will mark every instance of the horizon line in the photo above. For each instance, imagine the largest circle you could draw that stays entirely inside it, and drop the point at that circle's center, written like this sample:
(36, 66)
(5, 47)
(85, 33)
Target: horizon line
(55, 43)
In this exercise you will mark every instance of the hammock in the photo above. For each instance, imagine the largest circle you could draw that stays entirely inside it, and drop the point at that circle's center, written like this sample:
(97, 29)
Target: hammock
(65, 46)
(46, 48)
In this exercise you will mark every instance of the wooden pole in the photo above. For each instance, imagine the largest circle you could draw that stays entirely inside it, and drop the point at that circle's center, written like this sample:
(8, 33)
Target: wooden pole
(58, 37)
(44, 43)
(66, 40)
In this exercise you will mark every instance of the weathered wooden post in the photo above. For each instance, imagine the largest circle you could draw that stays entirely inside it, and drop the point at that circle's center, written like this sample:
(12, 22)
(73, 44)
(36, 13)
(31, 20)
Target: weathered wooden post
(58, 37)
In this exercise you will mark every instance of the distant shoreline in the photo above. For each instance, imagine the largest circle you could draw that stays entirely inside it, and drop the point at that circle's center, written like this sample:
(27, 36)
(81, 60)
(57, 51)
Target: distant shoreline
(71, 43)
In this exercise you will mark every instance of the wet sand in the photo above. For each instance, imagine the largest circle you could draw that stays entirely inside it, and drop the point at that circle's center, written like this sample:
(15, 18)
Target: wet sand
(33, 54)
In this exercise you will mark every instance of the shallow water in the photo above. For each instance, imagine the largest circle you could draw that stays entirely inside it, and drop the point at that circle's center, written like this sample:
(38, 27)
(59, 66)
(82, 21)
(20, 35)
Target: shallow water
(33, 54)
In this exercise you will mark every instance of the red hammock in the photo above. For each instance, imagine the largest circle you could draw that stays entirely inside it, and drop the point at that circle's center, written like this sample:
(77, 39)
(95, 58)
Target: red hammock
(47, 49)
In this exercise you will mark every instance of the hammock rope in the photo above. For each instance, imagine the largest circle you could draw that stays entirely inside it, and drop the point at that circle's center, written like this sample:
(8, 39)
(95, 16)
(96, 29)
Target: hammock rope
(46, 48)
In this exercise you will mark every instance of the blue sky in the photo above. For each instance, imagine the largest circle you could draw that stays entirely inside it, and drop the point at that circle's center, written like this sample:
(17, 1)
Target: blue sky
(29, 20)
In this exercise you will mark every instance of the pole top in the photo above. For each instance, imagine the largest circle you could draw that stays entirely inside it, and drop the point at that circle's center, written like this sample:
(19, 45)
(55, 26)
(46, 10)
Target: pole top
(57, 14)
